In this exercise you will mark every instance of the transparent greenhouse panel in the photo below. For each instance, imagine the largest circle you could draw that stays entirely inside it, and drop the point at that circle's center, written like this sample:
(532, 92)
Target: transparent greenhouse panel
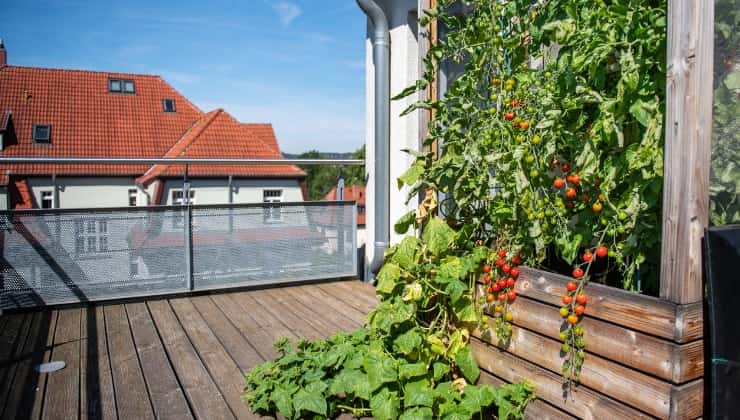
(724, 197)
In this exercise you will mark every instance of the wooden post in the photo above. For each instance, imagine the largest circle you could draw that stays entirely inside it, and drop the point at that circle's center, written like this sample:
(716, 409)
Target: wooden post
(427, 39)
(688, 125)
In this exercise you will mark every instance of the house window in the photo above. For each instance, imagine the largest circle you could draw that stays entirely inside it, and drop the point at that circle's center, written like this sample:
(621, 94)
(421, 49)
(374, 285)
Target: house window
(91, 236)
(361, 209)
(132, 197)
(177, 197)
(42, 133)
(168, 105)
(121, 86)
(272, 212)
(47, 199)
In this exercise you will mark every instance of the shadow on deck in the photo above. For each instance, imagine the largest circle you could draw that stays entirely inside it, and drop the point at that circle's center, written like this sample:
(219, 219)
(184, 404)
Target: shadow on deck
(184, 357)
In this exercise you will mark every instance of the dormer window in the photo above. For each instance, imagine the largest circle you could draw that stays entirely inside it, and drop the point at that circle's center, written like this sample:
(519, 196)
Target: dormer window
(121, 86)
(168, 105)
(42, 133)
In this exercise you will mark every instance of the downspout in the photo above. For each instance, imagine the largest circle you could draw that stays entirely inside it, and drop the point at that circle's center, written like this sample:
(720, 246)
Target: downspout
(381, 59)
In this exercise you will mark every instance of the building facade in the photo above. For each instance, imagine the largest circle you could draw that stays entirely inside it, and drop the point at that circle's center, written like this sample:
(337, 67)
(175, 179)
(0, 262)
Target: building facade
(73, 113)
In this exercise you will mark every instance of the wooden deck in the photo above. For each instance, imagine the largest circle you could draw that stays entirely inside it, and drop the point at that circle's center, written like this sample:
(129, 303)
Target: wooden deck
(177, 358)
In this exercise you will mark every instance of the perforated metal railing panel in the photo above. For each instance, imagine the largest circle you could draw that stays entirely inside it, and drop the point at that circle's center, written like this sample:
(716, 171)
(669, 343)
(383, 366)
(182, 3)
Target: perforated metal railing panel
(65, 256)
(237, 246)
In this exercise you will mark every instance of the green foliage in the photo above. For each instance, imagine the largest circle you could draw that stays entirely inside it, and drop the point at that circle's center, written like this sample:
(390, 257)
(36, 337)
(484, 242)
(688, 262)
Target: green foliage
(320, 179)
(412, 360)
(582, 82)
(724, 196)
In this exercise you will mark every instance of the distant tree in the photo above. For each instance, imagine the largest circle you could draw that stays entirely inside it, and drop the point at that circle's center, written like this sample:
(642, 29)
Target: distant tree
(320, 179)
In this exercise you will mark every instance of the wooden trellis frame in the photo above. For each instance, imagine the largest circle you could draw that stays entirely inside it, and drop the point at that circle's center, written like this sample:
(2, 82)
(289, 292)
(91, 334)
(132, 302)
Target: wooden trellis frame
(646, 354)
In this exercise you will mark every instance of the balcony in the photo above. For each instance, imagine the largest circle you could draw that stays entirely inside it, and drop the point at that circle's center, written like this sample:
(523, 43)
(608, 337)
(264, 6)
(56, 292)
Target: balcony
(182, 357)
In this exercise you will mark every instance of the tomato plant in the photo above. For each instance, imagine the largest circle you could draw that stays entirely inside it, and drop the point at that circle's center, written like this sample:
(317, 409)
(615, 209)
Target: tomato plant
(587, 79)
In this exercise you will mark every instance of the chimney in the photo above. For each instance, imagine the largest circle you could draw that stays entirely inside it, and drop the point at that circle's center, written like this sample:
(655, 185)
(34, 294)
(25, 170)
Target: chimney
(3, 54)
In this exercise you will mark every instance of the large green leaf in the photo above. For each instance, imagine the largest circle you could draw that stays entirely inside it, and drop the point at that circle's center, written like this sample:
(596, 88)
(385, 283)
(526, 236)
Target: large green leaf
(385, 404)
(388, 278)
(467, 364)
(407, 342)
(412, 370)
(418, 393)
(380, 369)
(305, 401)
(407, 252)
(438, 236)
(417, 413)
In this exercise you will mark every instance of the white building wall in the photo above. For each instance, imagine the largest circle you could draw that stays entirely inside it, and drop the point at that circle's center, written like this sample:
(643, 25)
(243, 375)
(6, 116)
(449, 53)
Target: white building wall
(95, 192)
(216, 190)
(404, 131)
(84, 192)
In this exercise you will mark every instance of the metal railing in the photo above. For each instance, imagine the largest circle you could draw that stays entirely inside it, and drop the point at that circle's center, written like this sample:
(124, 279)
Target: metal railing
(58, 256)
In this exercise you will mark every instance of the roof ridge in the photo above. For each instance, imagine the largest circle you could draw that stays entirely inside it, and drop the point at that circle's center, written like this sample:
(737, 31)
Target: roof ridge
(278, 151)
(179, 147)
(13, 66)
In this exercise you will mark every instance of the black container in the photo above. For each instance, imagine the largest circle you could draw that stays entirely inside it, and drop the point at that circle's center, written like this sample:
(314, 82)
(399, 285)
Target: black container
(722, 268)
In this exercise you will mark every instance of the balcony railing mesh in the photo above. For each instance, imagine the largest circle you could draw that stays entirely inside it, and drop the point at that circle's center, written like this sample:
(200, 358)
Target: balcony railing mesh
(66, 256)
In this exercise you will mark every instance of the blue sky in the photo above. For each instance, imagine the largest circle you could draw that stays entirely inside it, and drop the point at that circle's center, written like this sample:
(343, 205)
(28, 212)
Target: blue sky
(297, 64)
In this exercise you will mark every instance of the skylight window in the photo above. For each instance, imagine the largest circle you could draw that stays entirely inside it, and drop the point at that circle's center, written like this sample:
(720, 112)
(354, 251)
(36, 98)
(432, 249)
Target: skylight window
(168, 105)
(114, 85)
(42, 133)
(121, 86)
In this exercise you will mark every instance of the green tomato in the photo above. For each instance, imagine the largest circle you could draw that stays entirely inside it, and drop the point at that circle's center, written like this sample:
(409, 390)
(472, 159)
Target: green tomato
(622, 216)
(529, 159)
(534, 173)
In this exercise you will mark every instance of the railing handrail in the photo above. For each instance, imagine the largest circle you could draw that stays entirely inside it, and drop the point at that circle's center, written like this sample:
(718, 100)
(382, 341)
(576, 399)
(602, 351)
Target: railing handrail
(159, 208)
(175, 161)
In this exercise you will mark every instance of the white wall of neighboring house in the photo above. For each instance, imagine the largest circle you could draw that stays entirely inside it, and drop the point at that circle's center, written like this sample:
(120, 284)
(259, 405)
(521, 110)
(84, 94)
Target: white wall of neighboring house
(404, 131)
(4, 200)
(216, 191)
(95, 192)
(83, 192)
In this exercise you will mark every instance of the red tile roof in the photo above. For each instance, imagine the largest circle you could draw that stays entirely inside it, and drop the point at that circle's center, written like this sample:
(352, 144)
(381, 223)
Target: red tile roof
(88, 121)
(351, 193)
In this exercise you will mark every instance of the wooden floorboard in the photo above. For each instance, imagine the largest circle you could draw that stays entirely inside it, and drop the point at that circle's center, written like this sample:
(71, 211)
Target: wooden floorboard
(202, 393)
(63, 387)
(132, 396)
(174, 358)
(221, 367)
(97, 399)
(238, 347)
(166, 395)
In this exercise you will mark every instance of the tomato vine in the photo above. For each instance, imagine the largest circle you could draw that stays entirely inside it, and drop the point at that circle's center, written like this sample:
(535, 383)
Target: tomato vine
(551, 141)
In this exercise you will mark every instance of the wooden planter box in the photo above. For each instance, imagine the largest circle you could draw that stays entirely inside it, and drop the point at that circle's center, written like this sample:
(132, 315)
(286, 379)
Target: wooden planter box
(644, 355)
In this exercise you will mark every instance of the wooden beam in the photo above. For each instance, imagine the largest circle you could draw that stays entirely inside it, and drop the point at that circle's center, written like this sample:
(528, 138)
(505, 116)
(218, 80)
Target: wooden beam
(680, 323)
(687, 147)
(678, 363)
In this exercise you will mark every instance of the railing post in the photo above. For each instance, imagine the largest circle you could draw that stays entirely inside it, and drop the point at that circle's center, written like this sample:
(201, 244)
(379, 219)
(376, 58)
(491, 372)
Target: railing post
(188, 232)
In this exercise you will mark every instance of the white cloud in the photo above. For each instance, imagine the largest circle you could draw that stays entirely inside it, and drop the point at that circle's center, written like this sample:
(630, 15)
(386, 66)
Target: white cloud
(287, 11)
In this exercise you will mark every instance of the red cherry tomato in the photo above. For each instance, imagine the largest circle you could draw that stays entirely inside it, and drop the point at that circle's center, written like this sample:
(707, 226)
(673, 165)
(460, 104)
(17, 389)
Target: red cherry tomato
(571, 286)
(577, 273)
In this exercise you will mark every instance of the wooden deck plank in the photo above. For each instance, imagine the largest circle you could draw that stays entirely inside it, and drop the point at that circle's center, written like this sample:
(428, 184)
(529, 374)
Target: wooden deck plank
(222, 368)
(260, 339)
(240, 349)
(33, 400)
(10, 337)
(361, 295)
(351, 293)
(323, 311)
(167, 398)
(132, 397)
(202, 393)
(97, 399)
(326, 328)
(323, 298)
(11, 372)
(63, 386)
(285, 316)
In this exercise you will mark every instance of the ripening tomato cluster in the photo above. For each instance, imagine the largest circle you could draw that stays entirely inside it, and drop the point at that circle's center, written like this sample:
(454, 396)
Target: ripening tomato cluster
(571, 185)
(500, 292)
